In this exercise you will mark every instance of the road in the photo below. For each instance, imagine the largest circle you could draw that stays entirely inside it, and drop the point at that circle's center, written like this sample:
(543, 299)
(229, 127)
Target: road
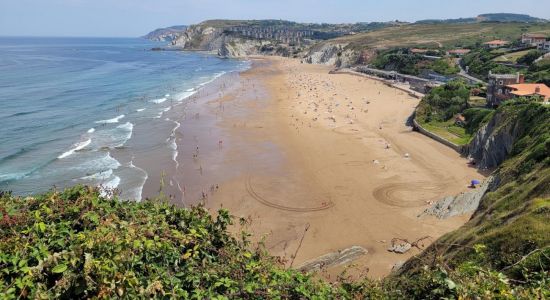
(464, 74)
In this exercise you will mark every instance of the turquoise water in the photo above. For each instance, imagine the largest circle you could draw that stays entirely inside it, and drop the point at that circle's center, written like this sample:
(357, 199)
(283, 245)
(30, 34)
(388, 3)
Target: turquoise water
(68, 103)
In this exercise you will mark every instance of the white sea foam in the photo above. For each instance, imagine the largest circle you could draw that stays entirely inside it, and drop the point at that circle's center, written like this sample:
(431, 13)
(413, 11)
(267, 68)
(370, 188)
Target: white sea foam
(182, 96)
(112, 183)
(140, 109)
(129, 128)
(11, 176)
(173, 144)
(167, 95)
(77, 147)
(112, 137)
(109, 121)
(91, 130)
(103, 175)
(139, 189)
(98, 163)
(190, 90)
(158, 101)
(216, 76)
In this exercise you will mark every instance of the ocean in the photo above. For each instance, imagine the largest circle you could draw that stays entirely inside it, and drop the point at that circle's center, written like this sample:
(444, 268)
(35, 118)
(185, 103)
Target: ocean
(70, 106)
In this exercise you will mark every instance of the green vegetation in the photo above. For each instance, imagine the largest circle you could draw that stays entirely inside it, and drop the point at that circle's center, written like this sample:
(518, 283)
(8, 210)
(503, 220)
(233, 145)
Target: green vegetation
(540, 72)
(77, 244)
(440, 35)
(512, 57)
(403, 61)
(445, 66)
(481, 61)
(475, 118)
(477, 101)
(444, 102)
(449, 131)
(398, 60)
(512, 220)
(529, 57)
(437, 110)
(499, 17)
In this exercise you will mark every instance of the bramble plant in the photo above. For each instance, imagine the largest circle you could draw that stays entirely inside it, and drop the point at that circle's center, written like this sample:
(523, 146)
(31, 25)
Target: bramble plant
(77, 244)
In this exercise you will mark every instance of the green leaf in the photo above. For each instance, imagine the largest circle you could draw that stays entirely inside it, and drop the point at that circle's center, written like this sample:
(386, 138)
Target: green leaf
(450, 284)
(59, 269)
(41, 227)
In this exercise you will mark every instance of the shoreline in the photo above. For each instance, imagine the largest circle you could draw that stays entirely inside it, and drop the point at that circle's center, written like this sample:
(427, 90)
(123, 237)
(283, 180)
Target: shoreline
(301, 148)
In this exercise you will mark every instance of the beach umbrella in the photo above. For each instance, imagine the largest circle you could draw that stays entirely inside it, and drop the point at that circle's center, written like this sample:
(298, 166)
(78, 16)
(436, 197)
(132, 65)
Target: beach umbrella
(475, 181)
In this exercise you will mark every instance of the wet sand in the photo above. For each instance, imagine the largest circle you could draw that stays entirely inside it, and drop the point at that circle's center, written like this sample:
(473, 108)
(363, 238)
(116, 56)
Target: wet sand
(290, 146)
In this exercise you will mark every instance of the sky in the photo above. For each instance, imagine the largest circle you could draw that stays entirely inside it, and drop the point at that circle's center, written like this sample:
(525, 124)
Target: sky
(132, 18)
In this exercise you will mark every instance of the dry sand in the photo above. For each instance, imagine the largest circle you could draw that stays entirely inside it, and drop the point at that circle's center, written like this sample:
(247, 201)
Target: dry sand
(302, 148)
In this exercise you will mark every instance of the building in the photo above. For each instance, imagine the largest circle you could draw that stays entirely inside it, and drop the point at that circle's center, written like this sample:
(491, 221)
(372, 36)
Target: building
(538, 90)
(533, 39)
(496, 88)
(496, 44)
(544, 46)
(458, 52)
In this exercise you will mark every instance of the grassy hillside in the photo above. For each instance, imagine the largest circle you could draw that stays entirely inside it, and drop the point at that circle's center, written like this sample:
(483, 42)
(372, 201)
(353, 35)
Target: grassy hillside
(509, 231)
(440, 35)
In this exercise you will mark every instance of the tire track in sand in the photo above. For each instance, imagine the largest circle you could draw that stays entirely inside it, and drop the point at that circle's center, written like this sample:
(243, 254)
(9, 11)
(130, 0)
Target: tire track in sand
(264, 201)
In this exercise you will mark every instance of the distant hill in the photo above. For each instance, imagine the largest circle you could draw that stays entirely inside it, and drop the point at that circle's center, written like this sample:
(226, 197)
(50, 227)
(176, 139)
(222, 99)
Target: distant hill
(320, 31)
(505, 17)
(440, 35)
(165, 34)
(497, 17)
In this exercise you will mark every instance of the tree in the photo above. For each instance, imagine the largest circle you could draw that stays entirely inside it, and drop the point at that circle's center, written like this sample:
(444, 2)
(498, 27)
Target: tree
(530, 57)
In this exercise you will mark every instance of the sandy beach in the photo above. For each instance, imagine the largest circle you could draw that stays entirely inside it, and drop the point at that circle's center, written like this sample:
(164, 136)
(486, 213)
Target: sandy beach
(290, 147)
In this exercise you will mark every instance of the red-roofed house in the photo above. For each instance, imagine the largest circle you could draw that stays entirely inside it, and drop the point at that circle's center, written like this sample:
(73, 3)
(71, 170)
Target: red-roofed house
(458, 52)
(533, 39)
(496, 44)
(529, 90)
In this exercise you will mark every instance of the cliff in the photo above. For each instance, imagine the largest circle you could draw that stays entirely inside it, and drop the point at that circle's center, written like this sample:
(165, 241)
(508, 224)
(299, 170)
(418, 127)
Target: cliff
(239, 38)
(334, 54)
(494, 141)
(165, 34)
(509, 229)
(217, 40)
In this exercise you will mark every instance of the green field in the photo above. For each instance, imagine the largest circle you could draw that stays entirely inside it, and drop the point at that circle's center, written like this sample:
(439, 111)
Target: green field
(476, 101)
(511, 57)
(449, 131)
(440, 35)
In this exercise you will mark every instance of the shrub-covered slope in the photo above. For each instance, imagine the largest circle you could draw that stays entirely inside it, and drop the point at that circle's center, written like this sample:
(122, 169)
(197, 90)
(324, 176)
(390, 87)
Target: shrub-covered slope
(75, 244)
(510, 231)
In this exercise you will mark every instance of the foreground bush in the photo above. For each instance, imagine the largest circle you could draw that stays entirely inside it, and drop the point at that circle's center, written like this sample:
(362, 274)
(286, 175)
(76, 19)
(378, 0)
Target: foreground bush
(76, 244)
